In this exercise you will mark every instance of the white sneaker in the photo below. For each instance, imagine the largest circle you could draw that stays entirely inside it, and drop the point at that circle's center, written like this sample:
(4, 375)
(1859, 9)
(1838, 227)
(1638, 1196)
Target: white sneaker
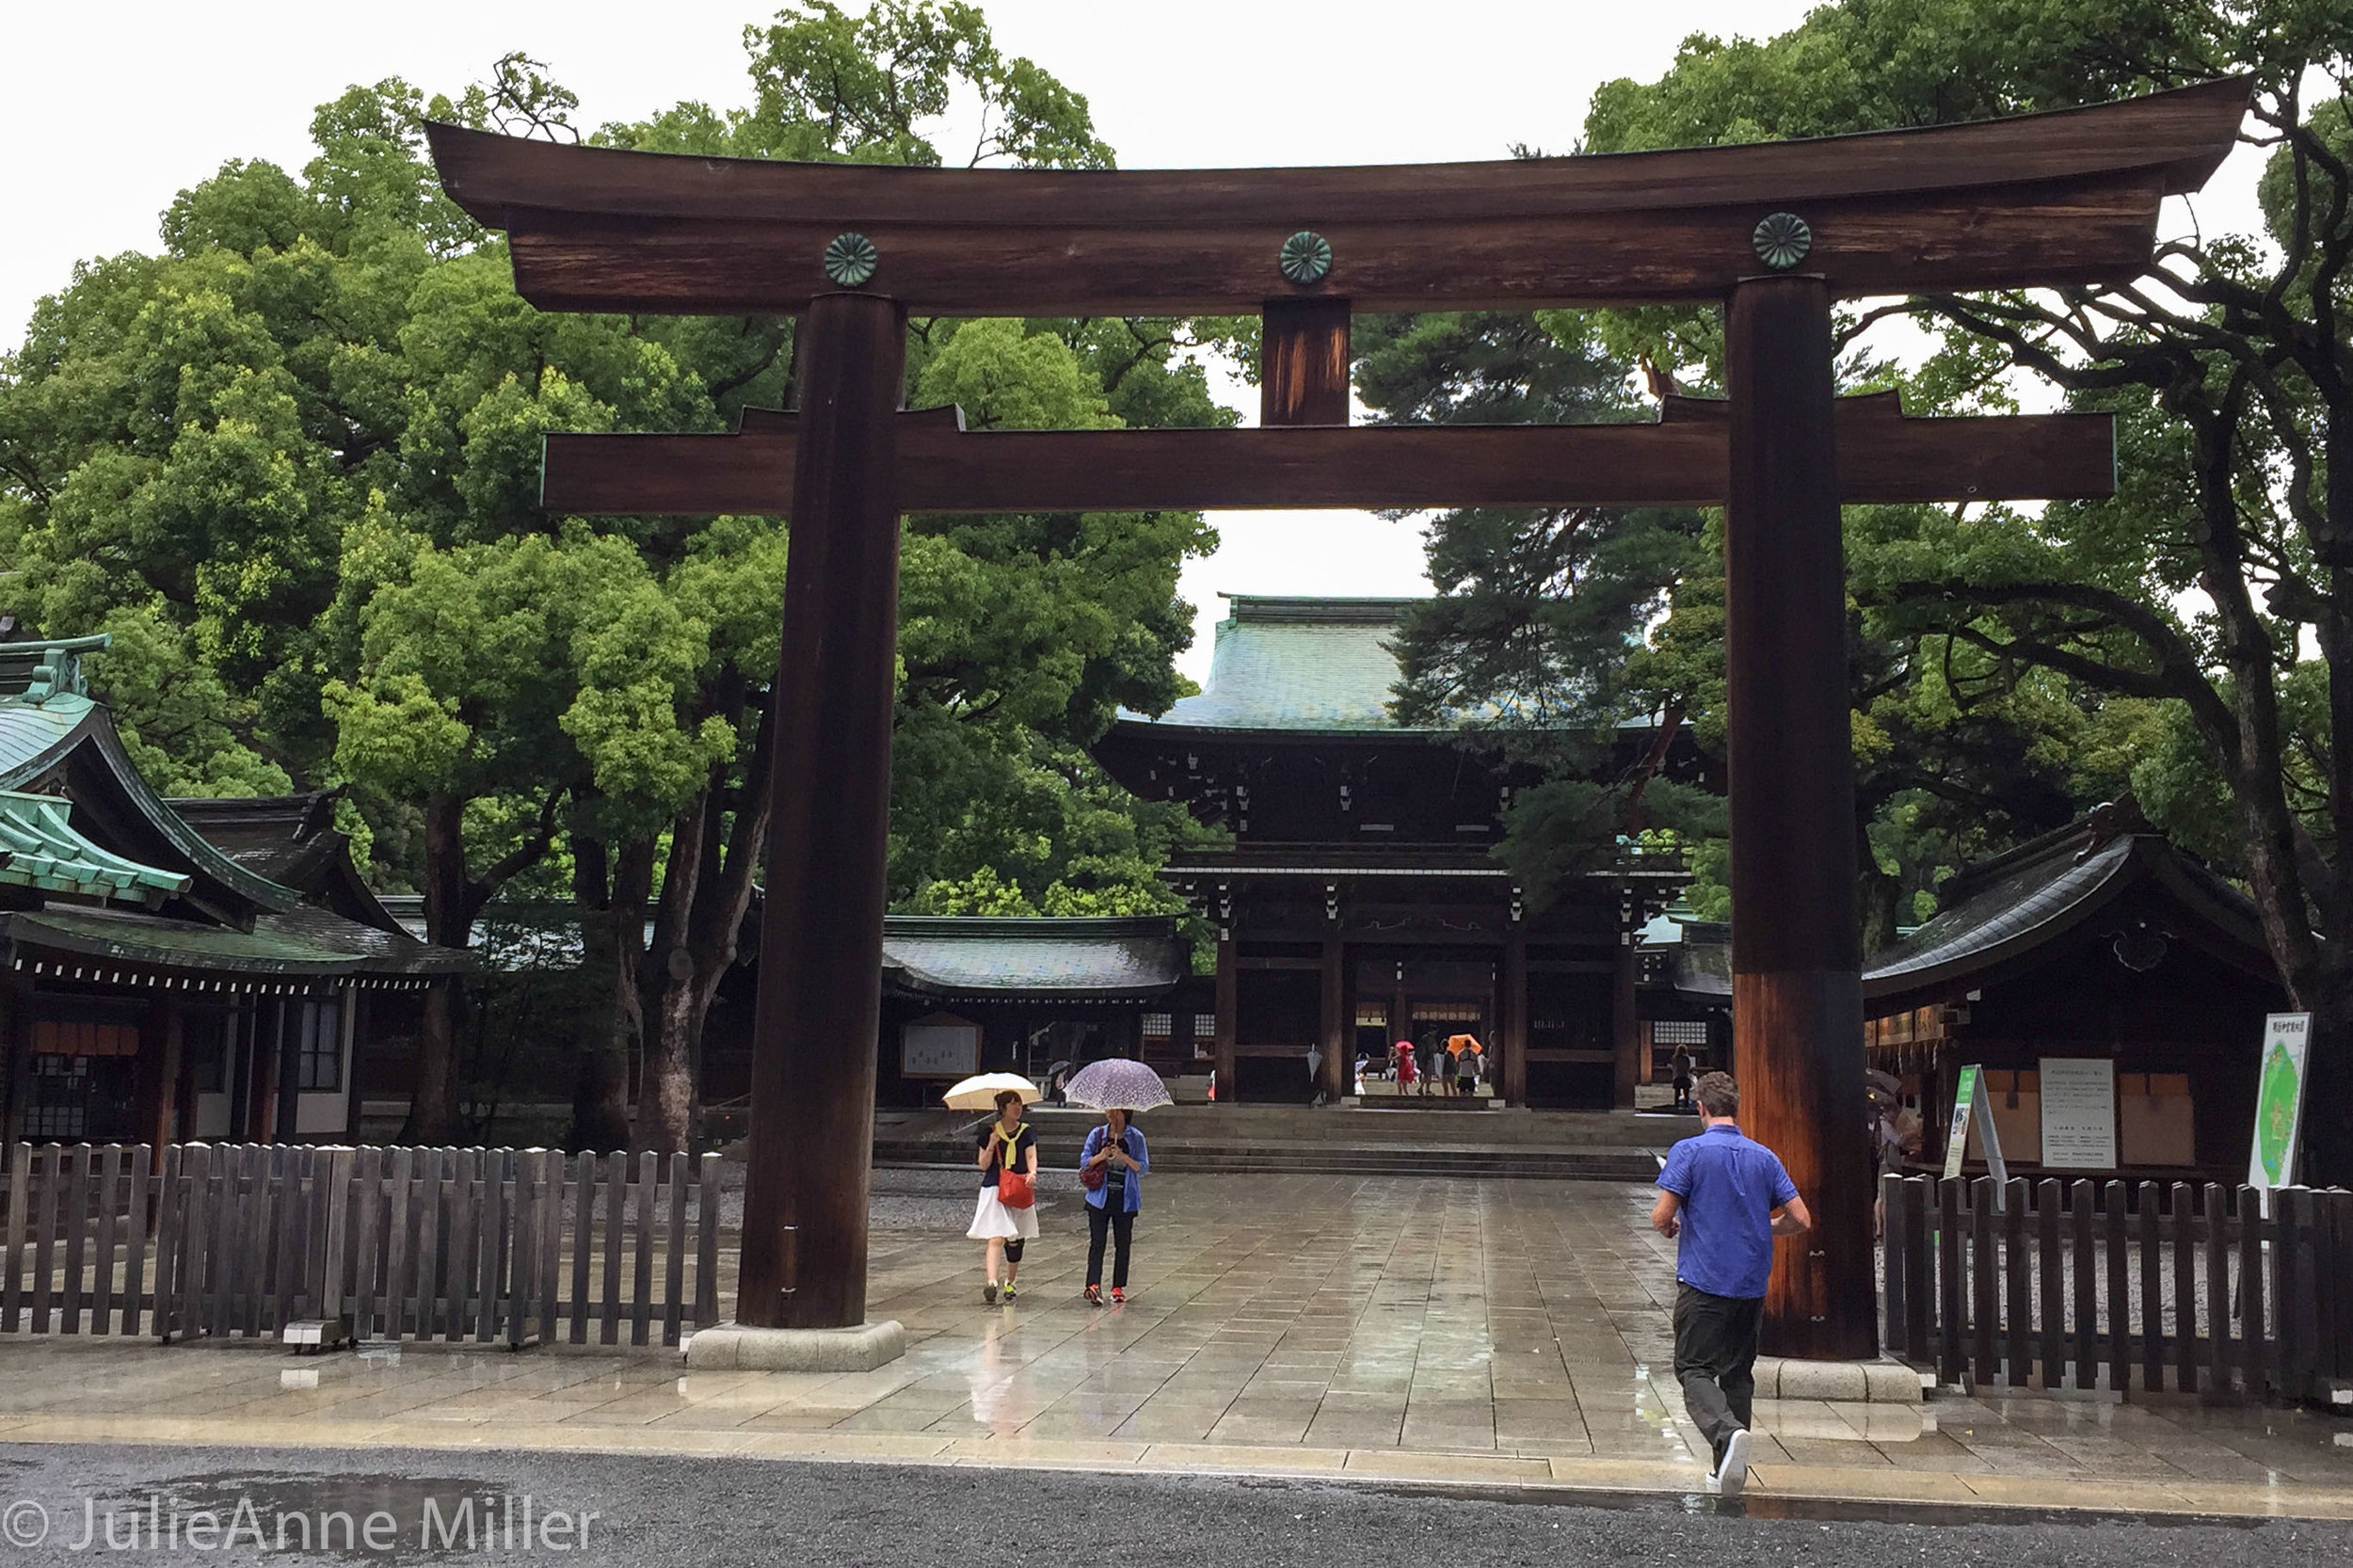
(1732, 1474)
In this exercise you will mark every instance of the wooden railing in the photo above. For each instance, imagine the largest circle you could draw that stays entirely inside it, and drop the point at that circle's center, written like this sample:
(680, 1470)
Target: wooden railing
(2110, 1285)
(488, 1246)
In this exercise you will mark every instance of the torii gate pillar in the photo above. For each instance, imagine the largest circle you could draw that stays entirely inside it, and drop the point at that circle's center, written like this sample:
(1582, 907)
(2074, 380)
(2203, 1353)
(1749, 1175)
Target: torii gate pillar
(1797, 988)
(804, 1259)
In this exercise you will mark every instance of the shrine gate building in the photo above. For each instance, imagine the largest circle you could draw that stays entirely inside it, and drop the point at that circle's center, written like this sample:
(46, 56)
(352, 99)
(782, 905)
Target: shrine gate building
(1361, 902)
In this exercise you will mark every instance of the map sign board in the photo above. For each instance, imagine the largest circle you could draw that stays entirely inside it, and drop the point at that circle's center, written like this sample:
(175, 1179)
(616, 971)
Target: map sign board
(1972, 1110)
(2078, 1114)
(2278, 1100)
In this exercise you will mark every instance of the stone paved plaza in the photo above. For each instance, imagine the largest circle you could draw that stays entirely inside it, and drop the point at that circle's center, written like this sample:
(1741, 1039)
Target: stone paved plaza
(1467, 1331)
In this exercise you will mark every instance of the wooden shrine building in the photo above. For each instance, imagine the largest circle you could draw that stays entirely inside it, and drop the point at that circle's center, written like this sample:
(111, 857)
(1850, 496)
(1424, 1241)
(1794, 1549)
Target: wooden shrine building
(154, 984)
(2103, 947)
(1775, 232)
(965, 994)
(1361, 902)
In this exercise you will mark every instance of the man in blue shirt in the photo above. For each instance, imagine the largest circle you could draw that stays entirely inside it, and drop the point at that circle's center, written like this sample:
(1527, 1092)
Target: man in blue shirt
(1727, 1197)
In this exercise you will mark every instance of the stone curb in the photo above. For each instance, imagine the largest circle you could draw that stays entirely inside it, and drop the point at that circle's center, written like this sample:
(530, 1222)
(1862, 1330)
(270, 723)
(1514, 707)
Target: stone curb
(1881, 1382)
(733, 1348)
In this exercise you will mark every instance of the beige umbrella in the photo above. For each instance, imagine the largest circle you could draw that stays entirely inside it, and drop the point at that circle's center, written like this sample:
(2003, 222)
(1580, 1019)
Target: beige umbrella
(980, 1094)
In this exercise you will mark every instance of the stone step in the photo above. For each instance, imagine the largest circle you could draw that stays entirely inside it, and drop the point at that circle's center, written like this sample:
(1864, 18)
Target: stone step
(1262, 1125)
(1595, 1164)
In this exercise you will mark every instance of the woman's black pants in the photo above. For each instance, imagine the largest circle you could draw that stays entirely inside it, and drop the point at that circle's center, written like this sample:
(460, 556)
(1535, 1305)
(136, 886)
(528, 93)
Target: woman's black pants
(1122, 1224)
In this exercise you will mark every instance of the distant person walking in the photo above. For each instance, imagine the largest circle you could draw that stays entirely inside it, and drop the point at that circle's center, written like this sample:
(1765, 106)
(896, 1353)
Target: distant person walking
(1315, 1075)
(1726, 1197)
(1007, 1147)
(1111, 1167)
(1683, 1080)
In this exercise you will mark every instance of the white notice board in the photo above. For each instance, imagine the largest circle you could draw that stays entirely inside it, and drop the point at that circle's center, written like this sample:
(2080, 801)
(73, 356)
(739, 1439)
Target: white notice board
(940, 1048)
(2078, 1114)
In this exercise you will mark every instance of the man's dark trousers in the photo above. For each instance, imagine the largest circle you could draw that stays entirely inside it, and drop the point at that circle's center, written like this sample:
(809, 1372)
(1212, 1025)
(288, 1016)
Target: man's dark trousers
(1716, 1360)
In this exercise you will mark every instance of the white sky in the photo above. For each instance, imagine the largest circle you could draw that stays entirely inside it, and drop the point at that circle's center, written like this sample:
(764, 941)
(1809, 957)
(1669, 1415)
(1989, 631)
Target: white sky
(112, 109)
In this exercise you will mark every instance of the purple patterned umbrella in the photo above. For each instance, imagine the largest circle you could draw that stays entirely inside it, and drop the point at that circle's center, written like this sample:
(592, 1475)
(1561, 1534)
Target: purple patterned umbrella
(1117, 1084)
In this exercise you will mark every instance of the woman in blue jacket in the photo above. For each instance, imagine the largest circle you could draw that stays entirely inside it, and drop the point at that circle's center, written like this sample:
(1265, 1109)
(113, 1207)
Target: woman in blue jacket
(1113, 1151)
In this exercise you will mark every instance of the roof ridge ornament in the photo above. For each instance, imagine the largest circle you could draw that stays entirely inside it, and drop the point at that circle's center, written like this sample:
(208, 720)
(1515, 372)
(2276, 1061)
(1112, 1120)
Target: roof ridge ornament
(53, 666)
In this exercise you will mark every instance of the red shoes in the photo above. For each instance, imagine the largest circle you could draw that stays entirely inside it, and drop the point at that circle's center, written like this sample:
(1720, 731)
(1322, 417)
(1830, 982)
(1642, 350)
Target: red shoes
(1120, 1295)
(1094, 1295)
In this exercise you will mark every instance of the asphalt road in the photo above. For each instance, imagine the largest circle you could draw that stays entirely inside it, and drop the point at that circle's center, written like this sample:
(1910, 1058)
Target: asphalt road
(655, 1513)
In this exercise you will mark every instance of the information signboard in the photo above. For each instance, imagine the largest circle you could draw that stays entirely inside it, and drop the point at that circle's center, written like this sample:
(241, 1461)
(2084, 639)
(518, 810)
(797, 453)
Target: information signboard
(2078, 1114)
(939, 1049)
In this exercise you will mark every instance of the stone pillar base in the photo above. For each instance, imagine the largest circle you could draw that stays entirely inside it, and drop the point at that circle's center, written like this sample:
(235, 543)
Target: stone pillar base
(733, 1348)
(1881, 1382)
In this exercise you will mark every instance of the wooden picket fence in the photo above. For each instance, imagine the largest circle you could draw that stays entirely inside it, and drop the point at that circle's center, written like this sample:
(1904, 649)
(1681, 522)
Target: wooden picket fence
(2114, 1286)
(488, 1246)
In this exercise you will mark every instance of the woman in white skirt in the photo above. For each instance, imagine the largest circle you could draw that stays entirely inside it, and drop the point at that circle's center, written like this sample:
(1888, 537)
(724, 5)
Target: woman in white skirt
(1006, 1143)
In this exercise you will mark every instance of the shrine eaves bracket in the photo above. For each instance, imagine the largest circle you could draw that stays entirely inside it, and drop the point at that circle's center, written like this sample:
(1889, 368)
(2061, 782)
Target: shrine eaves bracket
(1774, 231)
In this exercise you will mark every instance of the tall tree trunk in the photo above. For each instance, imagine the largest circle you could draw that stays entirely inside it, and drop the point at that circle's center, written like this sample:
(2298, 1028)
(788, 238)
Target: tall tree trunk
(706, 891)
(448, 922)
(612, 925)
(665, 1082)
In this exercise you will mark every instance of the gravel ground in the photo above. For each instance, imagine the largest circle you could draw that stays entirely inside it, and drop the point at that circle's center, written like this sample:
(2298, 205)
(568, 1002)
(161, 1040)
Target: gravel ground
(699, 1512)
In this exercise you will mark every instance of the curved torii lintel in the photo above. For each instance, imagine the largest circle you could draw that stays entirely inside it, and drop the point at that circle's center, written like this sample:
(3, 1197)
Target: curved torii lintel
(2067, 196)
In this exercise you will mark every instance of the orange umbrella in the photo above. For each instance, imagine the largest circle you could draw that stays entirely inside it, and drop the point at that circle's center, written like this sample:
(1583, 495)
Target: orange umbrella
(1456, 1045)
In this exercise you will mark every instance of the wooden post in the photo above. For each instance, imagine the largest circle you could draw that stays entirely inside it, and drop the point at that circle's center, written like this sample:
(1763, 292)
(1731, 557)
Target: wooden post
(1222, 1047)
(1302, 362)
(1625, 1029)
(820, 1003)
(1797, 958)
(1333, 1071)
(1513, 1038)
(157, 1078)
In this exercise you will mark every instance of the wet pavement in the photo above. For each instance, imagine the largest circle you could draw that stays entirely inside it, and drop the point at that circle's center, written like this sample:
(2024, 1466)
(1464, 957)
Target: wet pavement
(1474, 1334)
(655, 1512)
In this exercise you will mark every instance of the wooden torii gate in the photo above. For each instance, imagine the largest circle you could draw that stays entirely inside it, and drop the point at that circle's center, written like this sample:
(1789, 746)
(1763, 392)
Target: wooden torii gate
(1775, 232)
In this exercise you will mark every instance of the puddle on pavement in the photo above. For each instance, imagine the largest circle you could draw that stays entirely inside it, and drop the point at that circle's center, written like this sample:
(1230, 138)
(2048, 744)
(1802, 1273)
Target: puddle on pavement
(1757, 1504)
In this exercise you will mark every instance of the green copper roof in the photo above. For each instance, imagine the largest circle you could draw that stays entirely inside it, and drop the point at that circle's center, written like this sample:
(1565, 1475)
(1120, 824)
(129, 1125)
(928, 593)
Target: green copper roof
(31, 733)
(66, 735)
(1297, 664)
(300, 943)
(39, 849)
(1073, 958)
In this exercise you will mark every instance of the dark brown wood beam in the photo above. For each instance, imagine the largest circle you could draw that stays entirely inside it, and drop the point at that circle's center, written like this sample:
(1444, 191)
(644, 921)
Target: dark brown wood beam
(1797, 988)
(2034, 199)
(1304, 363)
(803, 1263)
(2183, 135)
(2089, 230)
(1684, 460)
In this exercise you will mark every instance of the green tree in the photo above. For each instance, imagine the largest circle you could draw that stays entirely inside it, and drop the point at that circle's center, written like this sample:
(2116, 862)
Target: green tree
(291, 460)
(1020, 635)
(2215, 585)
